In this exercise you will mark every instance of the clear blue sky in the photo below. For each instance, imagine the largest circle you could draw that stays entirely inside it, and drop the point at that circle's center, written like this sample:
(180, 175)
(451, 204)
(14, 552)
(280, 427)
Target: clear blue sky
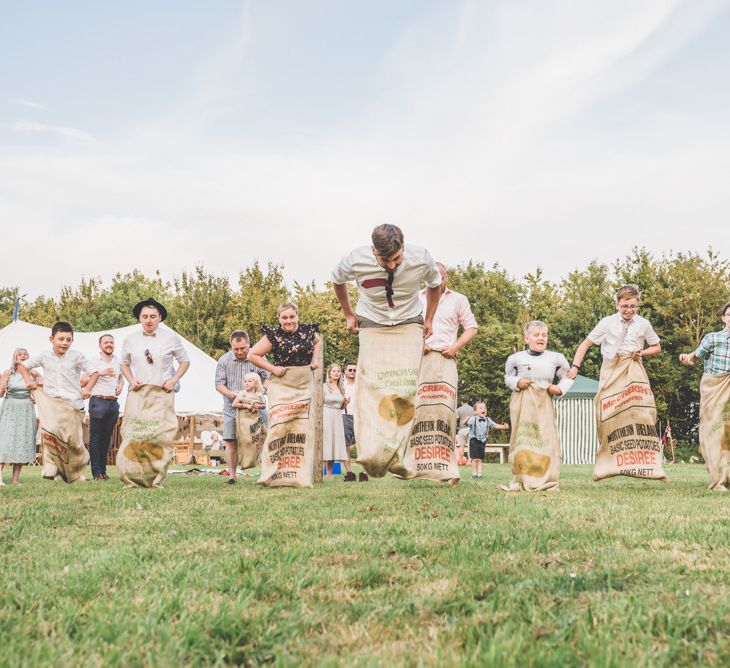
(163, 134)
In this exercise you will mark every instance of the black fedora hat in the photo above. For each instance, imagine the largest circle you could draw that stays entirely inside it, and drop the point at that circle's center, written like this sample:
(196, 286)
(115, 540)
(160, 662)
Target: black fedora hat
(149, 302)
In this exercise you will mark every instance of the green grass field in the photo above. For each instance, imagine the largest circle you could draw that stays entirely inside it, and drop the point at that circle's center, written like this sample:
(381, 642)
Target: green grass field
(618, 573)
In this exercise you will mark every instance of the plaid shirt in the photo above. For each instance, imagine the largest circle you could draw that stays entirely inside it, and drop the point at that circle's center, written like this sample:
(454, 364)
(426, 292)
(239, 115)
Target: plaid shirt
(714, 349)
(230, 372)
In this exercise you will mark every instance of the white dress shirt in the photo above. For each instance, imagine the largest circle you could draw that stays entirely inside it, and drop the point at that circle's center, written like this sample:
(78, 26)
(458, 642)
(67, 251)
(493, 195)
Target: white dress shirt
(541, 368)
(163, 346)
(616, 336)
(453, 310)
(350, 390)
(361, 266)
(106, 385)
(62, 375)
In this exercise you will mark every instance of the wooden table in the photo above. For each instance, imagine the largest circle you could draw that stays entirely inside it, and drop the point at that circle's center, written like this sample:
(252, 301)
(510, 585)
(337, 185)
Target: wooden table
(501, 448)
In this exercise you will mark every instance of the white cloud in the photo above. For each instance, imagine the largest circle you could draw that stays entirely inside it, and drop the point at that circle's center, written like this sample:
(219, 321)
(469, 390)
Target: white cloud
(28, 103)
(31, 127)
(468, 146)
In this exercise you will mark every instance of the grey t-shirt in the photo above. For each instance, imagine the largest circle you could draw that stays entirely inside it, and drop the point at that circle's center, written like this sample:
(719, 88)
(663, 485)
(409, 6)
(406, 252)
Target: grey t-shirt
(465, 411)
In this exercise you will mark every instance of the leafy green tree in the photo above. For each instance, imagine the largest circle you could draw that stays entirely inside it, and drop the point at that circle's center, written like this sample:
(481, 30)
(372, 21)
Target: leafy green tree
(586, 297)
(198, 310)
(321, 306)
(259, 295)
(8, 298)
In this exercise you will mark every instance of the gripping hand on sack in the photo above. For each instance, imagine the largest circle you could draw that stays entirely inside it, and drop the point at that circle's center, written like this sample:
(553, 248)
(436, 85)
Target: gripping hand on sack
(351, 321)
(636, 355)
(427, 328)
(169, 385)
(524, 383)
(449, 352)
(279, 371)
(135, 385)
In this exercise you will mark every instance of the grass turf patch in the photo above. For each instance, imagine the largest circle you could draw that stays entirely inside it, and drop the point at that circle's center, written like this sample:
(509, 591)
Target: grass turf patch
(413, 573)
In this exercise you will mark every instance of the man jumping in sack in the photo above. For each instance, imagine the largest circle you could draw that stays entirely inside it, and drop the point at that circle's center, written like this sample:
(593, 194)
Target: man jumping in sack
(391, 325)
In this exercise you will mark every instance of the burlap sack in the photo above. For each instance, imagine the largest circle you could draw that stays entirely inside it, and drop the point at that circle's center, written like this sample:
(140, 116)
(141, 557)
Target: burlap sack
(387, 368)
(62, 437)
(250, 435)
(534, 447)
(430, 451)
(715, 429)
(148, 430)
(287, 458)
(626, 421)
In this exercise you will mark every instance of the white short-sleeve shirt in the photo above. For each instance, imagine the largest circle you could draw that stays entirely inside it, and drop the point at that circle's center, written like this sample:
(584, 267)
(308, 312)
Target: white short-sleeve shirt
(164, 346)
(374, 304)
(616, 337)
(106, 385)
(62, 375)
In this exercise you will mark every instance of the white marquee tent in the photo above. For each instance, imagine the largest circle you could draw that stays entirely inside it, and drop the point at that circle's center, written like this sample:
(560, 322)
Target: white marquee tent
(197, 388)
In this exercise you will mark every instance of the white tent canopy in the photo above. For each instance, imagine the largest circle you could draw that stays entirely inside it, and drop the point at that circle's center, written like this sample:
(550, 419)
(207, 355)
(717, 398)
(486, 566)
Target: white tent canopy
(197, 388)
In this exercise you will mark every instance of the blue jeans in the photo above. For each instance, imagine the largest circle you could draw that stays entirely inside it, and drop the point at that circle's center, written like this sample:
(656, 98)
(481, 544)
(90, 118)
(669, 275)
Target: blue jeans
(103, 414)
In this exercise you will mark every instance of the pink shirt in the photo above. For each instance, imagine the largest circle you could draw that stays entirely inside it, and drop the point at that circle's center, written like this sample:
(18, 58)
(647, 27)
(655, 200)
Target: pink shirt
(453, 310)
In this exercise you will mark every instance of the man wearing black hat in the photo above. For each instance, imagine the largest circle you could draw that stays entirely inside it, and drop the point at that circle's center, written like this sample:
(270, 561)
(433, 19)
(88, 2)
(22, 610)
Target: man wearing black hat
(147, 354)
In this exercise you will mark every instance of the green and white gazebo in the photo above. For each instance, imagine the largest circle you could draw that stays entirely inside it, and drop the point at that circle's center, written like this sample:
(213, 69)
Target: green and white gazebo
(575, 416)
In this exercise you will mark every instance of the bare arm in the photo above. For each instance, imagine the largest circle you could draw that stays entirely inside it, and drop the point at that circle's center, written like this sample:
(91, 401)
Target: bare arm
(344, 298)
(432, 301)
(169, 384)
(4, 383)
(257, 357)
(648, 351)
(134, 383)
(466, 336)
(225, 391)
(315, 350)
(578, 358)
(90, 385)
(29, 382)
(120, 385)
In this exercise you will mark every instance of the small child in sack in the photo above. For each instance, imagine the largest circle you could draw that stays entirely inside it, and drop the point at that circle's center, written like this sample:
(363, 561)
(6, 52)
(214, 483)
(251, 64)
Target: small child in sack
(536, 364)
(479, 425)
(62, 372)
(251, 397)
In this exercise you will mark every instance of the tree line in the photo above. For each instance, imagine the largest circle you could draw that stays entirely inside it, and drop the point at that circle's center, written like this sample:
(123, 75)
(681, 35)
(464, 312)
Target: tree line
(681, 295)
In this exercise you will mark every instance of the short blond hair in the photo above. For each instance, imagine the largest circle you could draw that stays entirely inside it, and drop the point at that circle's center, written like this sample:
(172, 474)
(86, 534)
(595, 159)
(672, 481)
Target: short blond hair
(256, 378)
(534, 324)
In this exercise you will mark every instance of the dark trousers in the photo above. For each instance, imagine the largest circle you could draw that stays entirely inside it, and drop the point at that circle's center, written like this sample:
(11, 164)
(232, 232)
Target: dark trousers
(103, 414)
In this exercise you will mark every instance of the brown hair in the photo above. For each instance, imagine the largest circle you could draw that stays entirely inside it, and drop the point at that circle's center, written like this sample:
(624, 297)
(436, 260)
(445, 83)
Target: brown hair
(628, 291)
(387, 240)
(285, 307)
(103, 336)
(725, 308)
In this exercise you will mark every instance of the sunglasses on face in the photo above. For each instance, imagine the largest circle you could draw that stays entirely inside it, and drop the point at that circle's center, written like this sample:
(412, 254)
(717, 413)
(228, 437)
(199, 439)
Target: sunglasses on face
(148, 356)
